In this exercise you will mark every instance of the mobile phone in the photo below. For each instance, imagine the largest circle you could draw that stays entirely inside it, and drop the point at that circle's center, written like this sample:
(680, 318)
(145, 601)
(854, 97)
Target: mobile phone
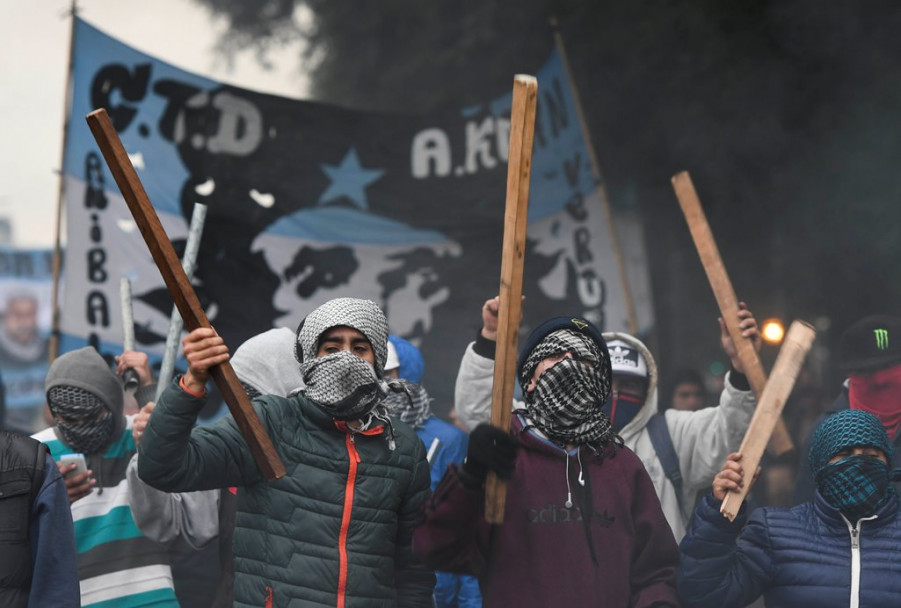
(81, 465)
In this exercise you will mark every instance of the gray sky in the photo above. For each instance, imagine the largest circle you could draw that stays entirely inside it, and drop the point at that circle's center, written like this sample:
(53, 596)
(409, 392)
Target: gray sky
(34, 48)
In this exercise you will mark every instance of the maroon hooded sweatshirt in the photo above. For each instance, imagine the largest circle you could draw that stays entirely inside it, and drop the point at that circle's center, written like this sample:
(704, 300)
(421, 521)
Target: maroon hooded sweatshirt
(546, 555)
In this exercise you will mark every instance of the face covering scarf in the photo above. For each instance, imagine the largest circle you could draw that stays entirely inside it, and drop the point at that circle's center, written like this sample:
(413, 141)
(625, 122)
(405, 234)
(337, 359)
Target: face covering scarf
(342, 384)
(880, 394)
(621, 409)
(857, 486)
(82, 419)
(566, 405)
(412, 405)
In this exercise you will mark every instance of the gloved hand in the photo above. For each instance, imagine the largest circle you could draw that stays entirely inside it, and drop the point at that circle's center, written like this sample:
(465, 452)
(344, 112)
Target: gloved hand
(490, 449)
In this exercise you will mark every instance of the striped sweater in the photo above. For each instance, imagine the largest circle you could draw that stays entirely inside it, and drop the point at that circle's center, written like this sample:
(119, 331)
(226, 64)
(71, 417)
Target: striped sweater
(118, 567)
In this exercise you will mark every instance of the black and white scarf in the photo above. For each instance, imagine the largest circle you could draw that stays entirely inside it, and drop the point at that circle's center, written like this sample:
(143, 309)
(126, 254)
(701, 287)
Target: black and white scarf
(83, 420)
(567, 399)
(412, 406)
(343, 384)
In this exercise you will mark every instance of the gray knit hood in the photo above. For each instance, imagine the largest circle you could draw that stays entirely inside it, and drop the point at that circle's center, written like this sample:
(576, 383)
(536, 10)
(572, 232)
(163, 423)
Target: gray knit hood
(86, 369)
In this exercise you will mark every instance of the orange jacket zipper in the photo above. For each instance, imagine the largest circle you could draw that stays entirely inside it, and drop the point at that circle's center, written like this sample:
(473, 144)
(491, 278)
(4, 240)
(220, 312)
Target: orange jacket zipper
(354, 459)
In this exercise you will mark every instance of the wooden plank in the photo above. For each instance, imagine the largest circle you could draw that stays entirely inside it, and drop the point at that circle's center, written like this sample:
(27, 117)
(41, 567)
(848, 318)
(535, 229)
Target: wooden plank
(725, 297)
(788, 364)
(180, 288)
(519, 170)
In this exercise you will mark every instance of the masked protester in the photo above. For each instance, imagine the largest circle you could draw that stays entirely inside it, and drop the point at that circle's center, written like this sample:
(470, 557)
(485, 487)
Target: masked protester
(840, 549)
(682, 450)
(582, 523)
(116, 562)
(337, 529)
(869, 352)
(445, 444)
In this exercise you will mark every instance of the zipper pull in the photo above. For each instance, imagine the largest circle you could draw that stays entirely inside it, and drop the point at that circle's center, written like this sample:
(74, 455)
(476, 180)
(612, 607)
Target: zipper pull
(855, 538)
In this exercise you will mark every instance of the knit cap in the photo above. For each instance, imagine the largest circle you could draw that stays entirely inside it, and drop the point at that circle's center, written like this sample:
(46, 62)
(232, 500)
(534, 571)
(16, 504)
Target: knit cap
(847, 429)
(363, 315)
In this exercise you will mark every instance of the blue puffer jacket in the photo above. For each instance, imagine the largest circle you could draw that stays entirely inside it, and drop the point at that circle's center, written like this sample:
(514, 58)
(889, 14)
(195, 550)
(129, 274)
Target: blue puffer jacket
(804, 556)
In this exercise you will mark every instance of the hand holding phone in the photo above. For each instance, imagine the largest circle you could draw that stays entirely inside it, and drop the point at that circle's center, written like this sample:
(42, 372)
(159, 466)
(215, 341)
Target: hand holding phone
(77, 479)
(81, 466)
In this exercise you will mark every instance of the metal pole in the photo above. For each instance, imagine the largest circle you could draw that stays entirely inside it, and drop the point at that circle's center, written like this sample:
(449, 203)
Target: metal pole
(189, 263)
(129, 376)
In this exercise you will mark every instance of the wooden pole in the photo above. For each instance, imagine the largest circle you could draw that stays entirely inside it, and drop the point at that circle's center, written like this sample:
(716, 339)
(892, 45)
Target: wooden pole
(519, 170)
(788, 364)
(53, 349)
(725, 297)
(180, 288)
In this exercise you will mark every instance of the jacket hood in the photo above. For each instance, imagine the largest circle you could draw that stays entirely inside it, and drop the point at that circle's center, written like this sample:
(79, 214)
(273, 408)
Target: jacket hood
(86, 369)
(266, 362)
(649, 408)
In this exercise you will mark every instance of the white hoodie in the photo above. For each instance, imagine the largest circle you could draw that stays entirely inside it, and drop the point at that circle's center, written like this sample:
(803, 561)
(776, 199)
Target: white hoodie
(702, 439)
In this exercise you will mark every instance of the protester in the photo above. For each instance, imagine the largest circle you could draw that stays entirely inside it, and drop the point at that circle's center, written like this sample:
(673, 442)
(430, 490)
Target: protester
(116, 563)
(265, 365)
(37, 541)
(338, 527)
(838, 550)
(688, 393)
(582, 523)
(445, 444)
(680, 450)
(869, 351)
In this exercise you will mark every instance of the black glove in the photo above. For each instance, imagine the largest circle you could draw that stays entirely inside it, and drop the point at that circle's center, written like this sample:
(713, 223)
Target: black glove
(490, 449)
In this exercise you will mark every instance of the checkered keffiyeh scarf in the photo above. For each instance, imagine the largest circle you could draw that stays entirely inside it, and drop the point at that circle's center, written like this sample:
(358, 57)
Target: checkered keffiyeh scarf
(363, 315)
(566, 402)
(82, 418)
(342, 384)
(413, 405)
(857, 486)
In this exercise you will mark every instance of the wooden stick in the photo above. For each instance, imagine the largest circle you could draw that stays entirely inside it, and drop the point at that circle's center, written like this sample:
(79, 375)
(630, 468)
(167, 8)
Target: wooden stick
(519, 170)
(725, 297)
(179, 286)
(788, 364)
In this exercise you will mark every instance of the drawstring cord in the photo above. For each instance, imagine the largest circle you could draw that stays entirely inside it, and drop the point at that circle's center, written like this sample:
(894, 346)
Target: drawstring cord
(579, 457)
(569, 494)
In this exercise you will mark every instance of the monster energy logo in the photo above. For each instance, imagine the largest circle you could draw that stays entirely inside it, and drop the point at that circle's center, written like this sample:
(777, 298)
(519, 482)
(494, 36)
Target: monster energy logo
(881, 338)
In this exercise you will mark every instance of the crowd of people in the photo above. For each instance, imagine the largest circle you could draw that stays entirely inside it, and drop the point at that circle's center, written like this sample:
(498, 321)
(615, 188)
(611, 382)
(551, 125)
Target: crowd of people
(611, 498)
